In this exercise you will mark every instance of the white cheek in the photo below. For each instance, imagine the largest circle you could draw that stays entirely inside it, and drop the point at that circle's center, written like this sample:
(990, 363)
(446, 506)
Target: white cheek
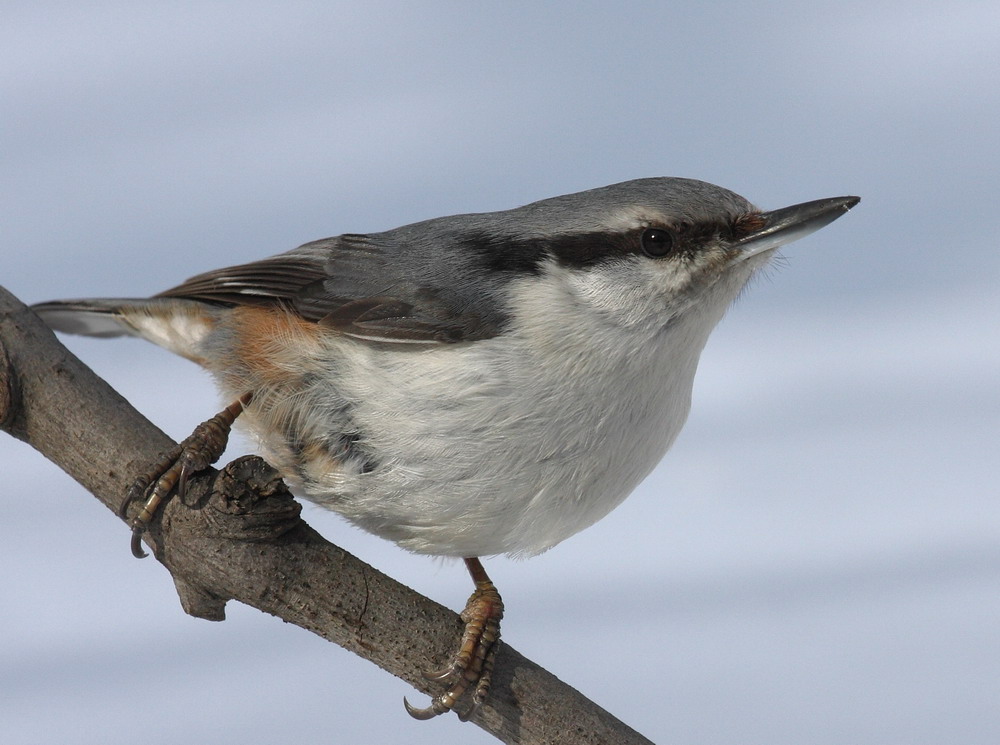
(629, 293)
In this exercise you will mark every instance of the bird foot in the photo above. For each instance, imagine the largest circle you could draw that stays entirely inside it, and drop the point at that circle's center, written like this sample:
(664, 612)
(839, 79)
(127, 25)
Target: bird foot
(201, 449)
(472, 667)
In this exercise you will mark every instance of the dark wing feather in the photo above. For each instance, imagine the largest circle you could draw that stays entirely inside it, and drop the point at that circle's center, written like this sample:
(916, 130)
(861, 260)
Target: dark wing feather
(358, 285)
(265, 282)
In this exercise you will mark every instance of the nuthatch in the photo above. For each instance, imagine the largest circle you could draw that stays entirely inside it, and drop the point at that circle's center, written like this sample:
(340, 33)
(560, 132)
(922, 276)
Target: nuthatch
(471, 385)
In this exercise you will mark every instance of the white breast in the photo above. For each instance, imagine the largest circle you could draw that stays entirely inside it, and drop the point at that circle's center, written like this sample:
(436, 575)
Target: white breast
(511, 444)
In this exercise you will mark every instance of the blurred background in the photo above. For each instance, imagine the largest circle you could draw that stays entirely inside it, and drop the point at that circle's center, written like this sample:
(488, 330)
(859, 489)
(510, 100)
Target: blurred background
(817, 559)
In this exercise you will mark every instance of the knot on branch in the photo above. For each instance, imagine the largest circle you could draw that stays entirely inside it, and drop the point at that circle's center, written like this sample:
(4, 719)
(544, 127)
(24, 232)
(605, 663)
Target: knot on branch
(251, 503)
(248, 503)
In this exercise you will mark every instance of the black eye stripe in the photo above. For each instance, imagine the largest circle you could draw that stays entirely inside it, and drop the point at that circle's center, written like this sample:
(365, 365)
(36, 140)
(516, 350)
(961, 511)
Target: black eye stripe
(519, 255)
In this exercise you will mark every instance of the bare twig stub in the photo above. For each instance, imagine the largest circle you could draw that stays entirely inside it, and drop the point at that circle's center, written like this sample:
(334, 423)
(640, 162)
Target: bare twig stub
(239, 536)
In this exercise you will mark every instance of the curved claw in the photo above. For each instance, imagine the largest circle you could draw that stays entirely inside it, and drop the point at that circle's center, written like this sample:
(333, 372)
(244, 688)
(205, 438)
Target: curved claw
(435, 709)
(182, 479)
(440, 676)
(141, 521)
(135, 491)
(138, 527)
(137, 550)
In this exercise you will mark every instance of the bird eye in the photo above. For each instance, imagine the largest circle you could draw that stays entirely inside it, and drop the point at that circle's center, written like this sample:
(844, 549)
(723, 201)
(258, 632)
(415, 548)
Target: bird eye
(657, 242)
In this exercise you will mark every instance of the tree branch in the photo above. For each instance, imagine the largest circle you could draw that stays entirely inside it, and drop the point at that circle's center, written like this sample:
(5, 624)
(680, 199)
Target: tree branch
(239, 536)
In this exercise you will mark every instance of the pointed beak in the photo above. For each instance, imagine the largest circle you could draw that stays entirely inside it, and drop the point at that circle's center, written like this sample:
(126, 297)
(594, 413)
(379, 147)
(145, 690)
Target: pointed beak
(791, 223)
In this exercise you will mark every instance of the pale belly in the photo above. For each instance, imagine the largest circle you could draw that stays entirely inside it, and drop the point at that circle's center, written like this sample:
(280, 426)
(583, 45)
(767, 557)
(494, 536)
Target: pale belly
(475, 456)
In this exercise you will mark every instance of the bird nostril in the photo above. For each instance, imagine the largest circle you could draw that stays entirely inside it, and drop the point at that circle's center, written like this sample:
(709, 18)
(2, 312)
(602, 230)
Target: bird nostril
(748, 223)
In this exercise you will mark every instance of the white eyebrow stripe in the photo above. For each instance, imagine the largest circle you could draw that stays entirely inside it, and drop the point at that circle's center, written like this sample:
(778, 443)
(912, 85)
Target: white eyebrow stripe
(630, 218)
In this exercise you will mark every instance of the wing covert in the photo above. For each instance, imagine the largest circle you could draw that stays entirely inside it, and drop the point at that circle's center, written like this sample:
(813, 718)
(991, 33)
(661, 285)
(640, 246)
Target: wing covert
(359, 285)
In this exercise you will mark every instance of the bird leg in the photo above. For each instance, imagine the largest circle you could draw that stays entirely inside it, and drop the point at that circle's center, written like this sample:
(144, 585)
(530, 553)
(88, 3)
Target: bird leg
(472, 667)
(204, 446)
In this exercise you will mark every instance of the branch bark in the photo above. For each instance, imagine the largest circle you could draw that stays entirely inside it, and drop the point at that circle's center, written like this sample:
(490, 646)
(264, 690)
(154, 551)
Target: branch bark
(239, 536)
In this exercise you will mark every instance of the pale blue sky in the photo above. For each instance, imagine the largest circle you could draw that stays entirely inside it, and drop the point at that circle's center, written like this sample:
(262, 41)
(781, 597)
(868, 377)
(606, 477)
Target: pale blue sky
(817, 560)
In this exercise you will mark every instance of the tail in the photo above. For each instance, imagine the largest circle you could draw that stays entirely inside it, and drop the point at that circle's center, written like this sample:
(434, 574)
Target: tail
(97, 317)
(176, 324)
